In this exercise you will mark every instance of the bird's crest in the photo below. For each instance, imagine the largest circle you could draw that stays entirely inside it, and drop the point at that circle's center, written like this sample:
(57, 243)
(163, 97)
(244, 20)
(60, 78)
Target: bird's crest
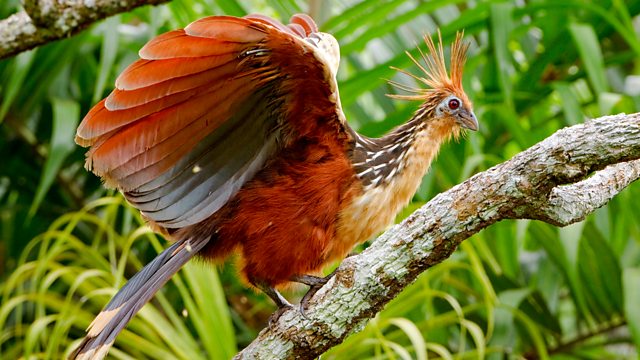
(434, 68)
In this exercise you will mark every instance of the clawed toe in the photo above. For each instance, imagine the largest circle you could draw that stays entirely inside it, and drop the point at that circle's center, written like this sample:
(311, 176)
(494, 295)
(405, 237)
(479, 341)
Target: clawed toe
(273, 319)
(304, 302)
(315, 283)
(282, 303)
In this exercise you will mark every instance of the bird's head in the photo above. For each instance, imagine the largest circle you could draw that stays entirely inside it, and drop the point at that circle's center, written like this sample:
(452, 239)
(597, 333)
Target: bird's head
(444, 100)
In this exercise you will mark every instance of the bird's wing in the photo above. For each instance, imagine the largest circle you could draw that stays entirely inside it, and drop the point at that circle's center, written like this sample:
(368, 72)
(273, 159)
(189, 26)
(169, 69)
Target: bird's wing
(205, 107)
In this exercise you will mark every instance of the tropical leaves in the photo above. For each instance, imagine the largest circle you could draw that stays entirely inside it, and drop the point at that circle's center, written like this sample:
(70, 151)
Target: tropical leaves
(518, 289)
(49, 301)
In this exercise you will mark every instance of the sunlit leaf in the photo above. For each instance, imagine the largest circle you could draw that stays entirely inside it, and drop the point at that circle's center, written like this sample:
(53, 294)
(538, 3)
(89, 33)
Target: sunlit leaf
(412, 331)
(588, 46)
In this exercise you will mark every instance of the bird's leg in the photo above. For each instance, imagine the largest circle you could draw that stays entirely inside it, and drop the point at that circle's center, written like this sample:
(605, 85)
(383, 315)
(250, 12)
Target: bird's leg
(314, 283)
(277, 298)
(275, 295)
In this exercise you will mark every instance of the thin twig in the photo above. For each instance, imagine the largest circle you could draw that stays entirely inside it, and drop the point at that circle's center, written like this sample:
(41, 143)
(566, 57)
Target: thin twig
(570, 344)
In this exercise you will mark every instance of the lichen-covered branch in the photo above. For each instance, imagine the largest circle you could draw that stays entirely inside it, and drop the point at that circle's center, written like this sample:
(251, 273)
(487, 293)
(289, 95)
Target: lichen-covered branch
(44, 21)
(569, 204)
(559, 180)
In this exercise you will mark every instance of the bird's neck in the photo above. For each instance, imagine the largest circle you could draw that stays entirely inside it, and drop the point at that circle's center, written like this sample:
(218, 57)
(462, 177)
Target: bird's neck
(404, 154)
(390, 169)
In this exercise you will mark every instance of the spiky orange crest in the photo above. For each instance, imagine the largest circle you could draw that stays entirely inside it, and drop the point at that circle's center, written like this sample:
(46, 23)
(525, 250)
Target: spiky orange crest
(436, 75)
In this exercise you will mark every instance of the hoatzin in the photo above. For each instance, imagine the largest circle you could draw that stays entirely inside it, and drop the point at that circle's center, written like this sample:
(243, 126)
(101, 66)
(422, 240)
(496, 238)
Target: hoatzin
(229, 137)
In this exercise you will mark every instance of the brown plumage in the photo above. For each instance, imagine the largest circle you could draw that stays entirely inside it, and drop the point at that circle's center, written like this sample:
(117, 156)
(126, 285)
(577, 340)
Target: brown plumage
(229, 136)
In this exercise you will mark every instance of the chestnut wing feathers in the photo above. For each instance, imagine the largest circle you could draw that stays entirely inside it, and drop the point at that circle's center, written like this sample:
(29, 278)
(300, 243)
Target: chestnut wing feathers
(203, 110)
(204, 180)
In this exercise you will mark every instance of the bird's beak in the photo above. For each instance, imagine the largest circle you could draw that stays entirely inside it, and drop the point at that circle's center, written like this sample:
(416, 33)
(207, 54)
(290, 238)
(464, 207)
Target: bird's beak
(467, 119)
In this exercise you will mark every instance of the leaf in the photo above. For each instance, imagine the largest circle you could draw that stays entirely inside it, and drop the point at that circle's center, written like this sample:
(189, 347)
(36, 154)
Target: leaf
(377, 11)
(107, 55)
(569, 103)
(503, 335)
(66, 115)
(536, 308)
(570, 239)
(607, 102)
(231, 7)
(210, 313)
(588, 46)
(397, 349)
(22, 63)
(565, 256)
(347, 14)
(631, 281)
(501, 26)
(600, 274)
(414, 334)
(390, 25)
(36, 331)
(507, 252)
(478, 336)
(440, 350)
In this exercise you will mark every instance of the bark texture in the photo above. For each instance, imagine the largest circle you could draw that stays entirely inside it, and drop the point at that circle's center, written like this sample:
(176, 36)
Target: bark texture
(44, 21)
(559, 180)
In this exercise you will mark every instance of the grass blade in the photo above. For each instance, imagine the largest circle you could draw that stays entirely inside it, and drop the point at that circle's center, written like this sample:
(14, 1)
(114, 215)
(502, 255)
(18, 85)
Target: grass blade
(66, 114)
(586, 41)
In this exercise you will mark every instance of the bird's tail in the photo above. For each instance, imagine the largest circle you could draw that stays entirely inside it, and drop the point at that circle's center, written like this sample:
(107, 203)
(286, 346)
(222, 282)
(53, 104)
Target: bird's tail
(132, 296)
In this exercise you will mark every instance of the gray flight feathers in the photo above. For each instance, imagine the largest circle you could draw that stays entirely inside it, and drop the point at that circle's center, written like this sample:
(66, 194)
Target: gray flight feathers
(206, 178)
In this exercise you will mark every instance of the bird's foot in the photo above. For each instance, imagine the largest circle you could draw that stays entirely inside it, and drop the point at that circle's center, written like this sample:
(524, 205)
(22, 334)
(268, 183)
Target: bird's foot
(282, 303)
(314, 283)
(273, 318)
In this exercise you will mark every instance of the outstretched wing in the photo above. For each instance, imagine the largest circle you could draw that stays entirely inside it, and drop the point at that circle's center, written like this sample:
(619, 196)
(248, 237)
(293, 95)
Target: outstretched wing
(205, 108)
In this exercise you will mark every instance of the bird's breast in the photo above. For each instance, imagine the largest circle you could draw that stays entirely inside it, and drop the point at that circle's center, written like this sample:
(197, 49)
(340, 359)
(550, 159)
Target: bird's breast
(370, 212)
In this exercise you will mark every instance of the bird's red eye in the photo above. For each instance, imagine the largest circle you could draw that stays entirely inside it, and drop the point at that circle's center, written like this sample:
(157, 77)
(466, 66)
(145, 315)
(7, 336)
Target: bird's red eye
(454, 104)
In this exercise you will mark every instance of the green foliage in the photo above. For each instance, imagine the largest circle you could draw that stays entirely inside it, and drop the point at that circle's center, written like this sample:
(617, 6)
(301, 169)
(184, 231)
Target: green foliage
(62, 282)
(517, 289)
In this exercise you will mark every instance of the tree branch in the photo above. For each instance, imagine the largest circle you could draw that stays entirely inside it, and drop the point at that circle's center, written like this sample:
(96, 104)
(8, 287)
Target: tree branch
(44, 21)
(569, 204)
(550, 182)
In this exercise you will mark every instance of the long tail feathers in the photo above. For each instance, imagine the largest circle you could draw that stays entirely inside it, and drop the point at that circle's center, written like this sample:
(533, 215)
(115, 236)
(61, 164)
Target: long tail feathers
(132, 296)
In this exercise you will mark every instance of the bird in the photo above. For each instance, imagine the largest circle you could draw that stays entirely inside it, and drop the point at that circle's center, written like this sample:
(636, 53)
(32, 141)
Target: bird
(229, 137)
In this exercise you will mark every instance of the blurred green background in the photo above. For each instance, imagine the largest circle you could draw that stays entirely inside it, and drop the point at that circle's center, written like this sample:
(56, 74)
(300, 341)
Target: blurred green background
(519, 289)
